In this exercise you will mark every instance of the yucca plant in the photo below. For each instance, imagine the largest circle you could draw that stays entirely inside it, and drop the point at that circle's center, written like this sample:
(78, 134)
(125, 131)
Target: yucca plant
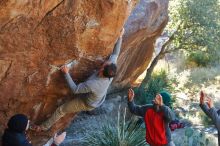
(118, 132)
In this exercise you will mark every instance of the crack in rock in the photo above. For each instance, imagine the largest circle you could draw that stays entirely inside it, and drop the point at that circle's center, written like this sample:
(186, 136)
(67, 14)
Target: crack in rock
(4, 69)
(30, 77)
(48, 13)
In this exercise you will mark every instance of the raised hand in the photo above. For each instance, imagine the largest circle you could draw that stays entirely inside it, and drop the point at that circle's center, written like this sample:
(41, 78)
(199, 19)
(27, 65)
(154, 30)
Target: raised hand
(130, 95)
(210, 102)
(202, 97)
(158, 100)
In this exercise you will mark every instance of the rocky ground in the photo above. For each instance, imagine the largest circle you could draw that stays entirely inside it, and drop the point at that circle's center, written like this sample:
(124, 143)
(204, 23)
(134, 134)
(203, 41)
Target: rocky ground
(86, 122)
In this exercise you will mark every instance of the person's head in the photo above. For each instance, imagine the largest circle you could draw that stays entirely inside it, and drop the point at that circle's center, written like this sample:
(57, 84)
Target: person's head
(166, 98)
(108, 70)
(18, 123)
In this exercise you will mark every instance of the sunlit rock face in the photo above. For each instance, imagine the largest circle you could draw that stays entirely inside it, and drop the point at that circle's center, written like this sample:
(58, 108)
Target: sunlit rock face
(143, 27)
(38, 36)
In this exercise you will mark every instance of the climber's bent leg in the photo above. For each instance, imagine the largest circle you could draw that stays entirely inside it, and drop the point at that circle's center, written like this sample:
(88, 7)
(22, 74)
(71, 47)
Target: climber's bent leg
(76, 105)
(73, 106)
(53, 119)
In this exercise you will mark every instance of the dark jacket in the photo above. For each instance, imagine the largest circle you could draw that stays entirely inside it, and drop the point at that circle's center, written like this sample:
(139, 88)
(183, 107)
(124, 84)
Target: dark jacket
(12, 138)
(214, 114)
(14, 135)
(156, 122)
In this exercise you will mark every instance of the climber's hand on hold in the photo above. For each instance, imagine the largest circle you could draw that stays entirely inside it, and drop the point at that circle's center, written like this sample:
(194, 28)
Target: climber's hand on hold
(65, 69)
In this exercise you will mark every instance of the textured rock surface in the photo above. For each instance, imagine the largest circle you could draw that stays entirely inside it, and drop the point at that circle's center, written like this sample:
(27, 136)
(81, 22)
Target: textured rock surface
(144, 25)
(38, 35)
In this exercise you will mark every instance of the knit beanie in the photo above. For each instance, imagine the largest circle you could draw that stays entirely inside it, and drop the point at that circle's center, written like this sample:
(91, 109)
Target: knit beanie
(18, 123)
(166, 98)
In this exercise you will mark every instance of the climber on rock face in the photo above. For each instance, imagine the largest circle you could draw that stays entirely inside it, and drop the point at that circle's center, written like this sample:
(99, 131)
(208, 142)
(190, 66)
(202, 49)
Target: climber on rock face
(15, 134)
(94, 89)
(208, 108)
(157, 117)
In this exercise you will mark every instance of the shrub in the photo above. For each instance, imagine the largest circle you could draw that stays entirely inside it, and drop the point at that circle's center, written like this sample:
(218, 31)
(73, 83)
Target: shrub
(118, 132)
(199, 58)
(158, 82)
(204, 74)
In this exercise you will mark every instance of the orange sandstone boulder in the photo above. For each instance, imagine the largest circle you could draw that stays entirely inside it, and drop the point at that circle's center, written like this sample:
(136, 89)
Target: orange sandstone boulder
(38, 36)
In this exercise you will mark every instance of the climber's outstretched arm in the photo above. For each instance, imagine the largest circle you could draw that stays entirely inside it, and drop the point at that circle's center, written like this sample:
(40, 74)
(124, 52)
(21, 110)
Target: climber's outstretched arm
(114, 56)
(76, 89)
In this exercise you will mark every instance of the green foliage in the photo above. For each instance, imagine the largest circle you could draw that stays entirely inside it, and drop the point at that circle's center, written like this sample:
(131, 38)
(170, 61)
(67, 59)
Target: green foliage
(203, 75)
(198, 28)
(118, 132)
(158, 82)
(206, 121)
(199, 58)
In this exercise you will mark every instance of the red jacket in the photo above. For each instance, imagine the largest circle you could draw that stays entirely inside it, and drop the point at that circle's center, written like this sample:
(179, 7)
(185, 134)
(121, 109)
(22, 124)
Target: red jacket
(156, 122)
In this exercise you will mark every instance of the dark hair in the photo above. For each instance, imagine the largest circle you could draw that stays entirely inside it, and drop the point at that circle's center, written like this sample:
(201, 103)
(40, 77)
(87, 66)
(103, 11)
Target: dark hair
(14, 135)
(18, 123)
(110, 70)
